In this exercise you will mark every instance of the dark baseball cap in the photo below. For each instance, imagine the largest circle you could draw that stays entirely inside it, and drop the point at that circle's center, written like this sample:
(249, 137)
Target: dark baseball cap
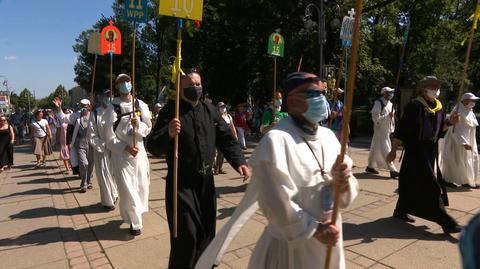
(295, 80)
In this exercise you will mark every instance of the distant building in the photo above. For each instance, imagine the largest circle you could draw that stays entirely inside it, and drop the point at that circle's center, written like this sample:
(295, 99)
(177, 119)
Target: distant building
(77, 94)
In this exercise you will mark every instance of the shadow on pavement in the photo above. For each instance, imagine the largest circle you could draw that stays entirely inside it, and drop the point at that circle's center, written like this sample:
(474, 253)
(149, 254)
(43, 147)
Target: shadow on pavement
(40, 191)
(390, 228)
(230, 189)
(51, 211)
(39, 173)
(226, 212)
(365, 175)
(109, 231)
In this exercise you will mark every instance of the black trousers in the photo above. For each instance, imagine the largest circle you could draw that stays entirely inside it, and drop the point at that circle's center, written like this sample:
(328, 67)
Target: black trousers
(197, 208)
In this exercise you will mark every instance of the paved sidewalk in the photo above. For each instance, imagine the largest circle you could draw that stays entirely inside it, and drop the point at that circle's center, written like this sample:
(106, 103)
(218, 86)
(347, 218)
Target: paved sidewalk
(47, 223)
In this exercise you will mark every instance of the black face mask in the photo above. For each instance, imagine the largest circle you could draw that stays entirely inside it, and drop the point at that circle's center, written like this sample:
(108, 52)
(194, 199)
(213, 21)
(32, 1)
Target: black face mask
(193, 93)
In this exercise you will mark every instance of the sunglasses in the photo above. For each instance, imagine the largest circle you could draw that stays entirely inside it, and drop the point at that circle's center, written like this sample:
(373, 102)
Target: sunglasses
(312, 93)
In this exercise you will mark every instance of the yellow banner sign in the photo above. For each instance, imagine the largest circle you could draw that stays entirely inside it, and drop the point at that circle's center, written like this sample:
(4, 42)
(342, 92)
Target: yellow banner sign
(187, 9)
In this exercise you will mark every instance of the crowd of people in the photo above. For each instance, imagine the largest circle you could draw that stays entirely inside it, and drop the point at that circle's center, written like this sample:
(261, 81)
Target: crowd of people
(293, 191)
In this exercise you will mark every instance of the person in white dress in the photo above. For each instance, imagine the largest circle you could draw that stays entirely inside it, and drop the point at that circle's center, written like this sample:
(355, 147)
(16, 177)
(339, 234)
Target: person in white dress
(383, 117)
(294, 171)
(130, 165)
(458, 150)
(102, 155)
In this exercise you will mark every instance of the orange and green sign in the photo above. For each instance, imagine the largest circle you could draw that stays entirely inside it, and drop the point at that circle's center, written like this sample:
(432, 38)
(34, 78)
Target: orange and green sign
(276, 45)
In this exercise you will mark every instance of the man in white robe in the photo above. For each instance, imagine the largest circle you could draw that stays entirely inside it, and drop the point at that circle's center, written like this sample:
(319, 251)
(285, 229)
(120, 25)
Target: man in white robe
(102, 155)
(383, 117)
(294, 171)
(459, 154)
(130, 165)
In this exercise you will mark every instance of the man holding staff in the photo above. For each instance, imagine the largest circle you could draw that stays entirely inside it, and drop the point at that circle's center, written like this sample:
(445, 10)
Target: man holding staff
(130, 165)
(294, 172)
(200, 130)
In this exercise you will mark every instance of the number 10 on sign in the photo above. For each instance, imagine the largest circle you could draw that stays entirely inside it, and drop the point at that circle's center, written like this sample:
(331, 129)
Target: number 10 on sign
(187, 9)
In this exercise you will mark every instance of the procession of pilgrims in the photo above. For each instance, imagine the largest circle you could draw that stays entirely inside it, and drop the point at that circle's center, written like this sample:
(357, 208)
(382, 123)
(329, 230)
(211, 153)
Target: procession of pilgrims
(294, 193)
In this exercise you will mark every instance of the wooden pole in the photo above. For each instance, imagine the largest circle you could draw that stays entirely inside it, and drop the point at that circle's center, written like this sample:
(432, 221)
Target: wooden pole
(93, 78)
(347, 112)
(467, 61)
(175, 149)
(133, 80)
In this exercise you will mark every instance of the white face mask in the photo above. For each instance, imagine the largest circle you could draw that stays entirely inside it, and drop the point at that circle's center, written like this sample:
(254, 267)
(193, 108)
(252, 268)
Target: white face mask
(470, 105)
(433, 94)
(390, 96)
(222, 110)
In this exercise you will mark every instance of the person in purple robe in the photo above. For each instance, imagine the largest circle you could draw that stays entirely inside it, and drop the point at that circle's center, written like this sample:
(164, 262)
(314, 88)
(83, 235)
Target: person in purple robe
(422, 190)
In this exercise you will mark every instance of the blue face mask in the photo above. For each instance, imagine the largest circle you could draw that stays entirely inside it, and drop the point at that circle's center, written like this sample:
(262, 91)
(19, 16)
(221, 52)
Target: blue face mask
(106, 101)
(125, 87)
(317, 109)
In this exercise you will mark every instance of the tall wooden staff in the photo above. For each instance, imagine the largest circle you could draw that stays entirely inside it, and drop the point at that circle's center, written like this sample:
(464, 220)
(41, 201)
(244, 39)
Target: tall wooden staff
(178, 73)
(476, 17)
(135, 11)
(348, 112)
(194, 12)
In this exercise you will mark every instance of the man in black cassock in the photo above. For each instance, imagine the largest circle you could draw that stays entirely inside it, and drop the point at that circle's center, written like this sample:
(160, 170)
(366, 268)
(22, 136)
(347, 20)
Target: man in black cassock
(200, 131)
(422, 189)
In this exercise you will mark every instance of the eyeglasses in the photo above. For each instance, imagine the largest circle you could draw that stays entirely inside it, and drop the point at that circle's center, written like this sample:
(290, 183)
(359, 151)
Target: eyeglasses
(1, 120)
(311, 93)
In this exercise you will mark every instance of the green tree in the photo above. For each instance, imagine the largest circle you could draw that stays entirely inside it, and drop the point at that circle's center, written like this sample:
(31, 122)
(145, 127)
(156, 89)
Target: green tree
(24, 100)
(60, 91)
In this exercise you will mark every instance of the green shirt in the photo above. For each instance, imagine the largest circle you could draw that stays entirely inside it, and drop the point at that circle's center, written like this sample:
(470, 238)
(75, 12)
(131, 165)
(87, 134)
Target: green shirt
(267, 118)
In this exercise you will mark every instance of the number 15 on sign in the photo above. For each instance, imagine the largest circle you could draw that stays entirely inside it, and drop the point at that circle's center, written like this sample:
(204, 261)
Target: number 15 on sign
(187, 9)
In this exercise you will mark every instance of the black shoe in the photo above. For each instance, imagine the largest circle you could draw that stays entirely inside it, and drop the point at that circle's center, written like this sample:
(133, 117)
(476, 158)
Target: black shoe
(371, 170)
(404, 217)
(394, 174)
(452, 229)
(135, 232)
(83, 189)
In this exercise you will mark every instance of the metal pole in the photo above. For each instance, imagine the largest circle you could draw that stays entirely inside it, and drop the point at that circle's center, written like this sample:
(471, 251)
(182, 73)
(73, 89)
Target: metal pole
(321, 33)
(274, 78)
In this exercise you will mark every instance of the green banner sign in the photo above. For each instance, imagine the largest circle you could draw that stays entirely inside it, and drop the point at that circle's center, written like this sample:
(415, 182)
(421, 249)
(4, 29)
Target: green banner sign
(276, 45)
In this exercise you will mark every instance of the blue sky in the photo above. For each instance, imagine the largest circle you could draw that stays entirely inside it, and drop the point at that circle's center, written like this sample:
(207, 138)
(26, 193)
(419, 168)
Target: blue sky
(36, 39)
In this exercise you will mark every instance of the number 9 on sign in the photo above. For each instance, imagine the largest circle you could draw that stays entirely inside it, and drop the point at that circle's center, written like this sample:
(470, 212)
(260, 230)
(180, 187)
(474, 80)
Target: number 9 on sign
(187, 9)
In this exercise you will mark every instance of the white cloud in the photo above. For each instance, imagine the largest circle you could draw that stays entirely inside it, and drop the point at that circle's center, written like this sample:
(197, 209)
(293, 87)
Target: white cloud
(10, 58)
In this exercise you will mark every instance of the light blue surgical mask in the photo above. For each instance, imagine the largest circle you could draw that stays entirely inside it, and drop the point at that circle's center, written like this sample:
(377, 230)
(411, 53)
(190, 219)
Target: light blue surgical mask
(390, 96)
(125, 87)
(278, 102)
(317, 109)
(106, 101)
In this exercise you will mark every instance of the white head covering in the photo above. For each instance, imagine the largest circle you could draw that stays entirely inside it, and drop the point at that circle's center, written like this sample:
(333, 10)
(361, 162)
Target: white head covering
(386, 89)
(339, 90)
(85, 102)
(469, 96)
(121, 76)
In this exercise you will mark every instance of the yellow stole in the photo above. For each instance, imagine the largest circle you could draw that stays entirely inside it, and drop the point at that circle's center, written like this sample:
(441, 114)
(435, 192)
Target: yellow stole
(438, 105)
